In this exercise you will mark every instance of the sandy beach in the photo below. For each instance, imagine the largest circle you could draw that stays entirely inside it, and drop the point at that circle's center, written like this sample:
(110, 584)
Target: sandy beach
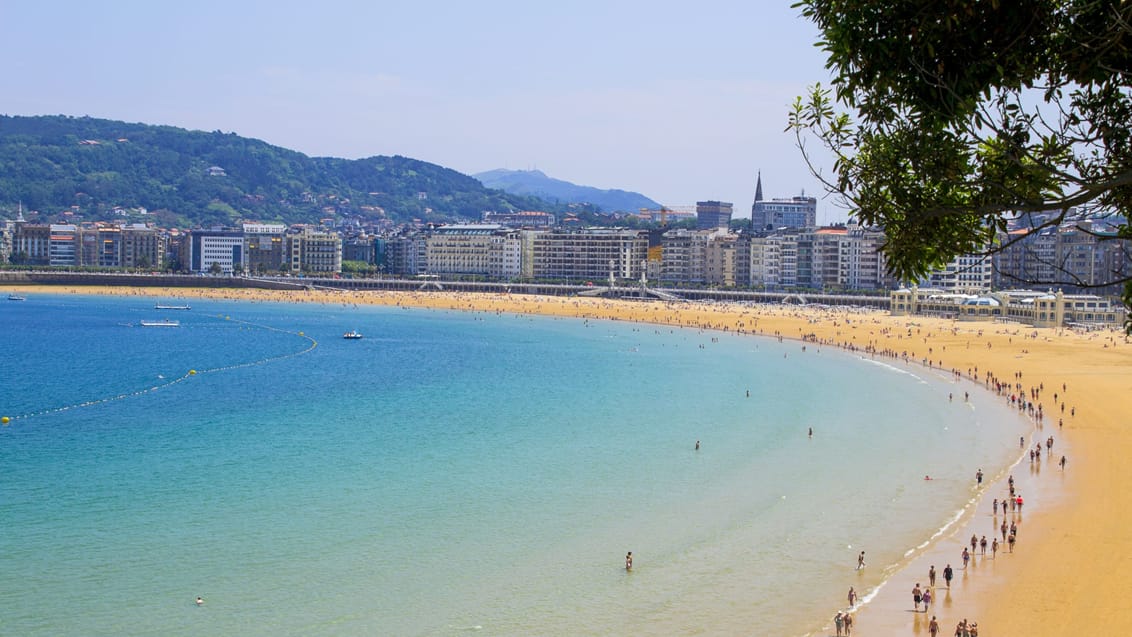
(1067, 572)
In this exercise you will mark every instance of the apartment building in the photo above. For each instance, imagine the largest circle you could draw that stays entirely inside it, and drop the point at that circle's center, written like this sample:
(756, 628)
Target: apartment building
(591, 254)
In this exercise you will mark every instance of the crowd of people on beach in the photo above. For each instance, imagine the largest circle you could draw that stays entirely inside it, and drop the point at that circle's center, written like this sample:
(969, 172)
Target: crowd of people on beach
(1028, 402)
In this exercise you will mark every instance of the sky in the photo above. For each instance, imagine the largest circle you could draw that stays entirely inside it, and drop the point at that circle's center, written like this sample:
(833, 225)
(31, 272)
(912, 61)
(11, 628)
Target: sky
(680, 101)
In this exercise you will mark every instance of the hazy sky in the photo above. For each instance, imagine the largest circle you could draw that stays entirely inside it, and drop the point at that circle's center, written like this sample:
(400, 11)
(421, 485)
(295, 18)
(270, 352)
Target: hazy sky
(681, 101)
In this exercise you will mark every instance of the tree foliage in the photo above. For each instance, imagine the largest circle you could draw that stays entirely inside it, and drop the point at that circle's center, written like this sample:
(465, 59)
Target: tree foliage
(92, 166)
(967, 114)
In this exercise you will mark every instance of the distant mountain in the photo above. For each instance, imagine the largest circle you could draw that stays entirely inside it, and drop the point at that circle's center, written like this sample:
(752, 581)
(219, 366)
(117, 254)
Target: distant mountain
(536, 184)
(81, 168)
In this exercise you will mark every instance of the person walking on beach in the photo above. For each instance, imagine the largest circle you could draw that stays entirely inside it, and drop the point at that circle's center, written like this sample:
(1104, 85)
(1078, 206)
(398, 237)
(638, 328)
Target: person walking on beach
(848, 619)
(983, 545)
(933, 627)
(974, 542)
(931, 575)
(861, 561)
(979, 476)
(838, 622)
(948, 573)
(917, 595)
(966, 557)
(994, 548)
(852, 597)
(1062, 462)
(927, 598)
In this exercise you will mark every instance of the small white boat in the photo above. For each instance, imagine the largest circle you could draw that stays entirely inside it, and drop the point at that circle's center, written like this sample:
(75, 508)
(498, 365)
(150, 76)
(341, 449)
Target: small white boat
(352, 334)
(172, 307)
(160, 323)
(17, 297)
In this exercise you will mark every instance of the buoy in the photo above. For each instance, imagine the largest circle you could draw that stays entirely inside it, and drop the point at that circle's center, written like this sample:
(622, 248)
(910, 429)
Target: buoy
(301, 334)
(5, 420)
(192, 372)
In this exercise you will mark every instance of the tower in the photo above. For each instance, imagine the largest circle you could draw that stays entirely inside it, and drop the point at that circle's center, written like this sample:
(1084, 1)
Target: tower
(756, 223)
(712, 214)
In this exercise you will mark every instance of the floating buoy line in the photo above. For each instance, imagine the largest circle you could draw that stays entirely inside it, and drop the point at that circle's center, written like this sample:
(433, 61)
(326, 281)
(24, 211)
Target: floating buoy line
(311, 344)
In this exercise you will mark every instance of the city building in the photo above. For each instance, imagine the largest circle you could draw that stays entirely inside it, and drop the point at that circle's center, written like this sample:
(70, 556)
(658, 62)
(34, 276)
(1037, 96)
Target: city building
(141, 247)
(361, 248)
(712, 214)
(1079, 256)
(697, 257)
(593, 254)
(264, 247)
(314, 251)
(965, 274)
(522, 219)
(795, 212)
(7, 239)
(405, 254)
(1039, 309)
(63, 245)
(31, 244)
(666, 215)
(220, 247)
(719, 269)
(487, 250)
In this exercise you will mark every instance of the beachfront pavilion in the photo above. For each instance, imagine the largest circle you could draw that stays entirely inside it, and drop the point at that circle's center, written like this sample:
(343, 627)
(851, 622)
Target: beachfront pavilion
(1039, 309)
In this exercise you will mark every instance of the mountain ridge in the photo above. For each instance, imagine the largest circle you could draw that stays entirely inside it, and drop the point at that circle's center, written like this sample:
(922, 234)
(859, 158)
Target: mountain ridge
(536, 183)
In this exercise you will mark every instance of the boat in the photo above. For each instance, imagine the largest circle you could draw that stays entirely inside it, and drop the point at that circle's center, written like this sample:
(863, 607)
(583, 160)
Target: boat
(17, 297)
(171, 307)
(160, 323)
(352, 334)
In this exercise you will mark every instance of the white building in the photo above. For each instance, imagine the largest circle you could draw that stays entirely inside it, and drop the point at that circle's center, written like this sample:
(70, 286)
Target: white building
(223, 248)
(474, 249)
(966, 274)
(63, 244)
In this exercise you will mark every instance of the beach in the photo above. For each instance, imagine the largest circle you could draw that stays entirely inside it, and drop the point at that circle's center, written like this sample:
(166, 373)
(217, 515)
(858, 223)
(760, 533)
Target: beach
(1068, 562)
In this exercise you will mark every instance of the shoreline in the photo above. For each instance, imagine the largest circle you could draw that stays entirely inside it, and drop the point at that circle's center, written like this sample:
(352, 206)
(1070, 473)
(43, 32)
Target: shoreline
(1072, 544)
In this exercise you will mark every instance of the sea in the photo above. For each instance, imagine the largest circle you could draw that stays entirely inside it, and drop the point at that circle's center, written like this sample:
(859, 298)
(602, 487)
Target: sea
(458, 473)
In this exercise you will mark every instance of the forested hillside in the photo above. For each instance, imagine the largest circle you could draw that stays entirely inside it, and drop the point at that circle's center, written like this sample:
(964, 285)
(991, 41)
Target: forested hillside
(99, 169)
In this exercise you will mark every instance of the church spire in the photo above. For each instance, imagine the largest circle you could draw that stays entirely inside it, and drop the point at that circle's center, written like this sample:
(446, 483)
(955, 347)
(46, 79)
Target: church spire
(757, 223)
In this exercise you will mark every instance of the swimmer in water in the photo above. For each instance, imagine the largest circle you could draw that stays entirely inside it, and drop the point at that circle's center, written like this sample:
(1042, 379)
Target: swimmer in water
(629, 561)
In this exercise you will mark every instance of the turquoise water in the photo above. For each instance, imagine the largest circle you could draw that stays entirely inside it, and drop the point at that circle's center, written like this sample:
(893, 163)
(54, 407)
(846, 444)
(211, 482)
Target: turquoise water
(455, 473)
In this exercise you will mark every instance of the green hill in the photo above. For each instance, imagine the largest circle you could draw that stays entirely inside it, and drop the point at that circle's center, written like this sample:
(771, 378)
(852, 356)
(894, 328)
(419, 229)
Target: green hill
(99, 169)
(535, 183)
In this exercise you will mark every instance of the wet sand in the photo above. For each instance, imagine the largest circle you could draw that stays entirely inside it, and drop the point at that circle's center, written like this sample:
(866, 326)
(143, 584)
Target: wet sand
(1069, 568)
